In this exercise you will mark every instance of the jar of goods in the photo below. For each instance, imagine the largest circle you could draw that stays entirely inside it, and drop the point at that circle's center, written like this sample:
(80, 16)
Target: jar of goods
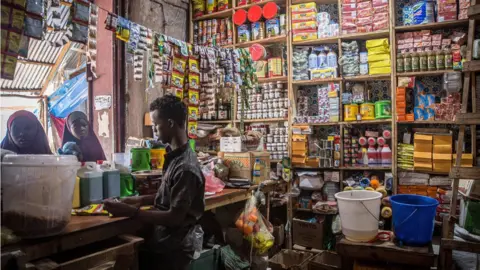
(400, 63)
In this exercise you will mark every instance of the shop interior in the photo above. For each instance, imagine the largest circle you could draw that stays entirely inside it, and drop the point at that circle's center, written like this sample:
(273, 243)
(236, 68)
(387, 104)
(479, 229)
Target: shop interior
(327, 134)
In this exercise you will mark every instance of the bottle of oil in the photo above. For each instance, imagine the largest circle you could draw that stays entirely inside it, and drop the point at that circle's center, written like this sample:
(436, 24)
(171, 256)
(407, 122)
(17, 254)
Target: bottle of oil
(257, 167)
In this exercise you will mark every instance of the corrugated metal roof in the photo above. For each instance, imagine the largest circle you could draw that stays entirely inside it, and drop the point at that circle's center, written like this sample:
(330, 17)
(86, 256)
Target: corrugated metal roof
(32, 76)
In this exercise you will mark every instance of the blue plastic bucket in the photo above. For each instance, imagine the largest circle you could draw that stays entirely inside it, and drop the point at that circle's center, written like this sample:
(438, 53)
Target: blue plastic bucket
(413, 218)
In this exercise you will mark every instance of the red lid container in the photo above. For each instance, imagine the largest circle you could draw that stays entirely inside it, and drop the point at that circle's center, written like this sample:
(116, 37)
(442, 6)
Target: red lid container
(258, 52)
(239, 17)
(270, 10)
(254, 14)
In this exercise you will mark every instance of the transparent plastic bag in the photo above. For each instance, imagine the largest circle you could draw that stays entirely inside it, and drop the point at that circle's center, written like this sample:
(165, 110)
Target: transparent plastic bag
(256, 229)
(212, 183)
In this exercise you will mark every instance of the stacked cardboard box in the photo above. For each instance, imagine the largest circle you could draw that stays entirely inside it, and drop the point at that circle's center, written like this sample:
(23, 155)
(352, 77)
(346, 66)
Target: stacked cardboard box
(446, 10)
(299, 149)
(304, 21)
(467, 160)
(442, 152)
(401, 103)
(430, 191)
(422, 152)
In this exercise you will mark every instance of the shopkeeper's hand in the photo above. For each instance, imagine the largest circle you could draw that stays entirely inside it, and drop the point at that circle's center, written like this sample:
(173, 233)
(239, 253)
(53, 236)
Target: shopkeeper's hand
(119, 209)
(133, 201)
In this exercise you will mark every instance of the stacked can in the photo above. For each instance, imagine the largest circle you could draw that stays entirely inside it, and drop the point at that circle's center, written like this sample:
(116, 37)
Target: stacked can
(277, 143)
(270, 102)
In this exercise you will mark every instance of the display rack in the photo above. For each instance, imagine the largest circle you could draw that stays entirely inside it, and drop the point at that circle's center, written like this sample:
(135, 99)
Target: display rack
(391, 78)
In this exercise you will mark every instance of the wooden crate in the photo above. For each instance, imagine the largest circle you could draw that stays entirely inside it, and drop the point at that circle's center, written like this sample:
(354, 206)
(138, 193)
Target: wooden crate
(116, 253)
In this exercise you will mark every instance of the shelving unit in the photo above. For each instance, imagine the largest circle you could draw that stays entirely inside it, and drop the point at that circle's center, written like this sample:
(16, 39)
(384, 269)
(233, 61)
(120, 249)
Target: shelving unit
(391, 79)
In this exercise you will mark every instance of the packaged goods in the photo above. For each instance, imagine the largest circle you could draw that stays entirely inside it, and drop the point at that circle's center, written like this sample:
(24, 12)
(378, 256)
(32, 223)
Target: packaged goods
(273, 27)
(243, 33)
(303, 8)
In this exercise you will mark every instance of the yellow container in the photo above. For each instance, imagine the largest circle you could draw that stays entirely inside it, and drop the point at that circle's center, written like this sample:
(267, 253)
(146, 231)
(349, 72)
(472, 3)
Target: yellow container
(351, 112)
(76, 193)
(367, 110)
(157, 157)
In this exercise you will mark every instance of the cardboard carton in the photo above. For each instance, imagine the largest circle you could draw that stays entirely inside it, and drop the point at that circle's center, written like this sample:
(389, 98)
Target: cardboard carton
(241, 164)
(308, 234)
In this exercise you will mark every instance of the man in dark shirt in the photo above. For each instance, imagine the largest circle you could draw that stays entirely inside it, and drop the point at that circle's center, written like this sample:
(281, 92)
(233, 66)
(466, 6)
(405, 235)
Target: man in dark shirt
(179, 202)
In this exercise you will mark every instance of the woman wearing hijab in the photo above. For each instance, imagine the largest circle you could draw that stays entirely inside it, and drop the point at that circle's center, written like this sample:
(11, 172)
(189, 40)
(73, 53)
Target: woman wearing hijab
(79, 136)
(25, 135)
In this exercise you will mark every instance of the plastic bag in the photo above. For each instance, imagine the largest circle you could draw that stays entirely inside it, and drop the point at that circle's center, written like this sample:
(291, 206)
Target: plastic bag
(197, 241)
(256, 229)
(212, 183)
(310, 180)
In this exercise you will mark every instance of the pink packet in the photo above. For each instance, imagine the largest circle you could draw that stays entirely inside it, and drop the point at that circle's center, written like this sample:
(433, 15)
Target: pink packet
(366, 12)
(364, 21)
(364, 28)
(349, 7)
(363, 5)
(378, 3)
(380, 9)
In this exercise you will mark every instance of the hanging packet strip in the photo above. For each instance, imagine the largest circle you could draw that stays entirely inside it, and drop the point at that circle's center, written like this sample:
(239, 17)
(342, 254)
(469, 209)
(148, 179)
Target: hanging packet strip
(192, 130)
(193, 97)
(81, 12)
(8, 64)
(33, 27)
(92, 40)
(35, 7)
(134, 37)
(123, 29)
(111, 22)
(79, 33)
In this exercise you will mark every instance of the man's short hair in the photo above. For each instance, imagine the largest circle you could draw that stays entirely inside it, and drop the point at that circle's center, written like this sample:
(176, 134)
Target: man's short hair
(170, 107)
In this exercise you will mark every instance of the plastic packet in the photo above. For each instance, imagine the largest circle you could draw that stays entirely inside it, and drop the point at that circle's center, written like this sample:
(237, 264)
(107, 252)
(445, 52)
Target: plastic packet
(33, 27)
(255, 228)
(212, 183)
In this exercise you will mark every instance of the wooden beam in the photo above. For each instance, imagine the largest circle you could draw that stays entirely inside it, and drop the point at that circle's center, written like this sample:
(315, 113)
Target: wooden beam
(30, 62)
(22, 90)
(471, 66)
(466, 246)
(77, 72)
(465, 173)
(21, 96)
(474, 12)
(53, 71)
(79, 50)
(468, 119)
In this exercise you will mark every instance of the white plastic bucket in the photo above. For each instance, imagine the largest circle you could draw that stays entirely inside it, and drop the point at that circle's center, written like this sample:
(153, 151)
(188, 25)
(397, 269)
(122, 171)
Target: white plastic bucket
(359, 213)
(38, 193)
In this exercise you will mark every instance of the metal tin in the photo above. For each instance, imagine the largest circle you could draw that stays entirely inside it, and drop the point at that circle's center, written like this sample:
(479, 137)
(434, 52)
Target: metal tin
(258, 30)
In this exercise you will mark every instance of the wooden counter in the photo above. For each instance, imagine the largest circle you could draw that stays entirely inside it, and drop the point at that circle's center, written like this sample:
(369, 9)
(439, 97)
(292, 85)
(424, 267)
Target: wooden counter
(84, 230)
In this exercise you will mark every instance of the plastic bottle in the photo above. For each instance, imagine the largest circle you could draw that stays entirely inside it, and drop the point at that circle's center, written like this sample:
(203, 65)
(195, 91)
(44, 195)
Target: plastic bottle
(400, 63)
(322, 60)
(407, 62)
(364, 156)
(332, 59)
(372, 155)
(386, 155)
(379, 155)
(448, 59)
(423, 61)
(432, 61)
(312, 60)
(415, 62)
(440, 60)
(257, 167)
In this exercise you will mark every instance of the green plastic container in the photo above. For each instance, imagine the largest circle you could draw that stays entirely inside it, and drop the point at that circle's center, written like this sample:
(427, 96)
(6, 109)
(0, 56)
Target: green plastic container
(383, 109)
(208, 260)
(140, 159)
(192, 144)
(127, 185)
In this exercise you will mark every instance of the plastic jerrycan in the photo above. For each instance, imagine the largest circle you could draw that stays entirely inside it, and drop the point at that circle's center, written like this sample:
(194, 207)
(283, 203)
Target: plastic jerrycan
(111, 180)
(91, 184)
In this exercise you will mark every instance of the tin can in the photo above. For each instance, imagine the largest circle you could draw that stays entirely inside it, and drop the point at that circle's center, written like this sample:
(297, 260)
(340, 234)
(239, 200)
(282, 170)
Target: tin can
(258, 30)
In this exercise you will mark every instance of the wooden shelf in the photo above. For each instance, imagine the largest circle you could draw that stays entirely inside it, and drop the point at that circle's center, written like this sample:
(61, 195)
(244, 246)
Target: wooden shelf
(424, 73)
(329, 40)
(431, 26)
(214, 121)
(316, 81)
(263, 120)
(424, 122)
(265, 41)
(318, 124)
(261, 3)
(474, 12)
(273, 79)
(304, 167)
(367, 36)
(321, 2)
(381, 77)
(471, 66)
(428, 172)
(366, 168)
(216, 15)
(366, 122)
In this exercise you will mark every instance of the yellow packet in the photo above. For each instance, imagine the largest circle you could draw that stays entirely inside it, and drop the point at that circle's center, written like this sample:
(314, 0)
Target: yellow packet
(380, 64)
(90, 210)
(305, 7)
(179, 64)
(193, 65)
(5, 16)
(193, 97)
(378, 57)
(4, 40)
(382, 42)
(177, 80)
(194, 81)
(18, 18)
(192, 129)
(380, 70)
(192, 113)
(14, 42)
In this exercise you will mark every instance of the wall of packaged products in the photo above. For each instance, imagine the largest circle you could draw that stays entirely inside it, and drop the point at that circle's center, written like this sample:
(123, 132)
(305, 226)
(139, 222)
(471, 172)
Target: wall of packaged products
(362, 73)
